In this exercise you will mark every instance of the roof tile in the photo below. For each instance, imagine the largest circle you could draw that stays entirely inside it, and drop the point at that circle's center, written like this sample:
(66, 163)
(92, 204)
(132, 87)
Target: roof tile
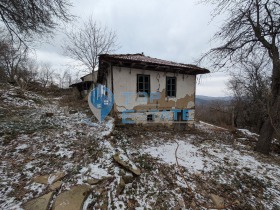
(146, 59)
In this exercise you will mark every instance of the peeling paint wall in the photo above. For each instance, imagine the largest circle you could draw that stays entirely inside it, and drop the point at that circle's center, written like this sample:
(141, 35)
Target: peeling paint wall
(126, 98)
(161, 117)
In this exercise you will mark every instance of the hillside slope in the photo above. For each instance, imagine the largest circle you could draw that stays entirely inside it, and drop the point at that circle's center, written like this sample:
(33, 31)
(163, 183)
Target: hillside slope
(48, 148)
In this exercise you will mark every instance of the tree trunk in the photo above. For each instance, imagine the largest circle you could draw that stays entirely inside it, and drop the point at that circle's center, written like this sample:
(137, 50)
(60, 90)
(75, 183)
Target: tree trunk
(265, 139)
(267, 130)
(260, 124)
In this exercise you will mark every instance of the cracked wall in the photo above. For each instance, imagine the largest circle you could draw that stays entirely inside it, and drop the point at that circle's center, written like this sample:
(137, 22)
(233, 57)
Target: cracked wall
(126, 98)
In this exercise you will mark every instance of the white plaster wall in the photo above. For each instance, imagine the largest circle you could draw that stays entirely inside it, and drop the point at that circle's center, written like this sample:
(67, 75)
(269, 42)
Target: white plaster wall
(125, 81)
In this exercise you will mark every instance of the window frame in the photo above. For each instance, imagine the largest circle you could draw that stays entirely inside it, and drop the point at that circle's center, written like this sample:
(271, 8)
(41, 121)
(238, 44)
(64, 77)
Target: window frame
(144, 83)
(150, 118)
(168, 91)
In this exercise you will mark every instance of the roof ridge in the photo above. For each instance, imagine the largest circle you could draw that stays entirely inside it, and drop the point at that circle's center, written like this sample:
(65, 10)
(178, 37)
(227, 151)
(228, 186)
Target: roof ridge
(140, 57)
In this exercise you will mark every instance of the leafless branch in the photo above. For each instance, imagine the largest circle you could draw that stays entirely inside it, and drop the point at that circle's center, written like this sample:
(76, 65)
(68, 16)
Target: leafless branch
(33, 17)
(87, 42)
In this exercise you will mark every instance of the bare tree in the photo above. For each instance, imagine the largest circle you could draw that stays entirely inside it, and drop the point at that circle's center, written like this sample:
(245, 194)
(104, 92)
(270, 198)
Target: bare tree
(64, 79)
(27, 74)
(221, 112)
(251, 91)
(85, 43)
(13, 55)
(252, 27)
(33, 67)
(46, 75)
(26, 18)
(76, 77)
(68, 79)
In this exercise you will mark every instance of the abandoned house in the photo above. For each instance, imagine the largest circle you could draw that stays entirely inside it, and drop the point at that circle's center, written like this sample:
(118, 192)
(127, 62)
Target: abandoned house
(85, 85)
(147, 89)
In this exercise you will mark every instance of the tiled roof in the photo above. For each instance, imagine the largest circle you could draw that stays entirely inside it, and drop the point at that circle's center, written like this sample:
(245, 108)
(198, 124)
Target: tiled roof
(148, 60)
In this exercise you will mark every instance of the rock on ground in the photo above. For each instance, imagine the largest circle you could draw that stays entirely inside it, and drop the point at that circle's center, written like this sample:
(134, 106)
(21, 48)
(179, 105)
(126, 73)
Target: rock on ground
(49, 179)
(126, 163)
(72, 199)
(217, 200)
(55, 186)
(120, 186)
(40, 203)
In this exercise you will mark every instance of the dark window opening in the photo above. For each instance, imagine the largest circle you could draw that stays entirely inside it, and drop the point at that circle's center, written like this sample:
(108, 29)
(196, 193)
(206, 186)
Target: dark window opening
(150, 117)
(171, 86)
(179, 116)
(143, 84)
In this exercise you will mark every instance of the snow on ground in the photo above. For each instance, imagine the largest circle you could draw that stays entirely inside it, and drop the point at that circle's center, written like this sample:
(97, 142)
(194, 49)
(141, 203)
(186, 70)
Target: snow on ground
(215, 161)
(188, 155)
(210, 157)
(91, 171)
(206, 126)
(109, 125)
(34, 144)
(248, 133)
(16, 97)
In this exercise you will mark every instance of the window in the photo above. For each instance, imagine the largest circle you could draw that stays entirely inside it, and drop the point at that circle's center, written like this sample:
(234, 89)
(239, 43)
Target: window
(171, 86)
(150, 117)
(179, 116)
(143, 83)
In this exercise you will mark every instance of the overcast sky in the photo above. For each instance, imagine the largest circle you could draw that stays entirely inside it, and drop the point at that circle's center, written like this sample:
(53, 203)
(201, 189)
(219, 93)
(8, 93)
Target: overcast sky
(177, 30)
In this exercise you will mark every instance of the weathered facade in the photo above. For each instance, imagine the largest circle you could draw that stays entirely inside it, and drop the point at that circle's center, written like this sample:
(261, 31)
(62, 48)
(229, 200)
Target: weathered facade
(149, 90)
(86, 84)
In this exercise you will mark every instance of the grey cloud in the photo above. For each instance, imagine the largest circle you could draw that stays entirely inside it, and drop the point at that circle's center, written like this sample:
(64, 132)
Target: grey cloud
(177, 30)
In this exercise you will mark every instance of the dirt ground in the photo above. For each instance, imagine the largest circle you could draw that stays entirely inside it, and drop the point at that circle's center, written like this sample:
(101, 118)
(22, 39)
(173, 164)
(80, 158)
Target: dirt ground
(206, 167)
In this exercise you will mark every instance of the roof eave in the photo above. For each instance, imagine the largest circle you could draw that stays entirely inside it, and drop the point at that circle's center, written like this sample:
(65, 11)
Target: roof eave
(157, 67)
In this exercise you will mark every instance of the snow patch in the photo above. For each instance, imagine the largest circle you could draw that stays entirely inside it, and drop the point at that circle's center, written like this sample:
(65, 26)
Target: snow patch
(188, 155)
(109, 126)
(248, 133)
(64, 153)
(22, 147)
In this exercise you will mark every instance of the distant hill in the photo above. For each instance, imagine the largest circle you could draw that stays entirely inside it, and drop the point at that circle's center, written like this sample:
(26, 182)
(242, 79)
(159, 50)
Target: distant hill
(199, 99)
